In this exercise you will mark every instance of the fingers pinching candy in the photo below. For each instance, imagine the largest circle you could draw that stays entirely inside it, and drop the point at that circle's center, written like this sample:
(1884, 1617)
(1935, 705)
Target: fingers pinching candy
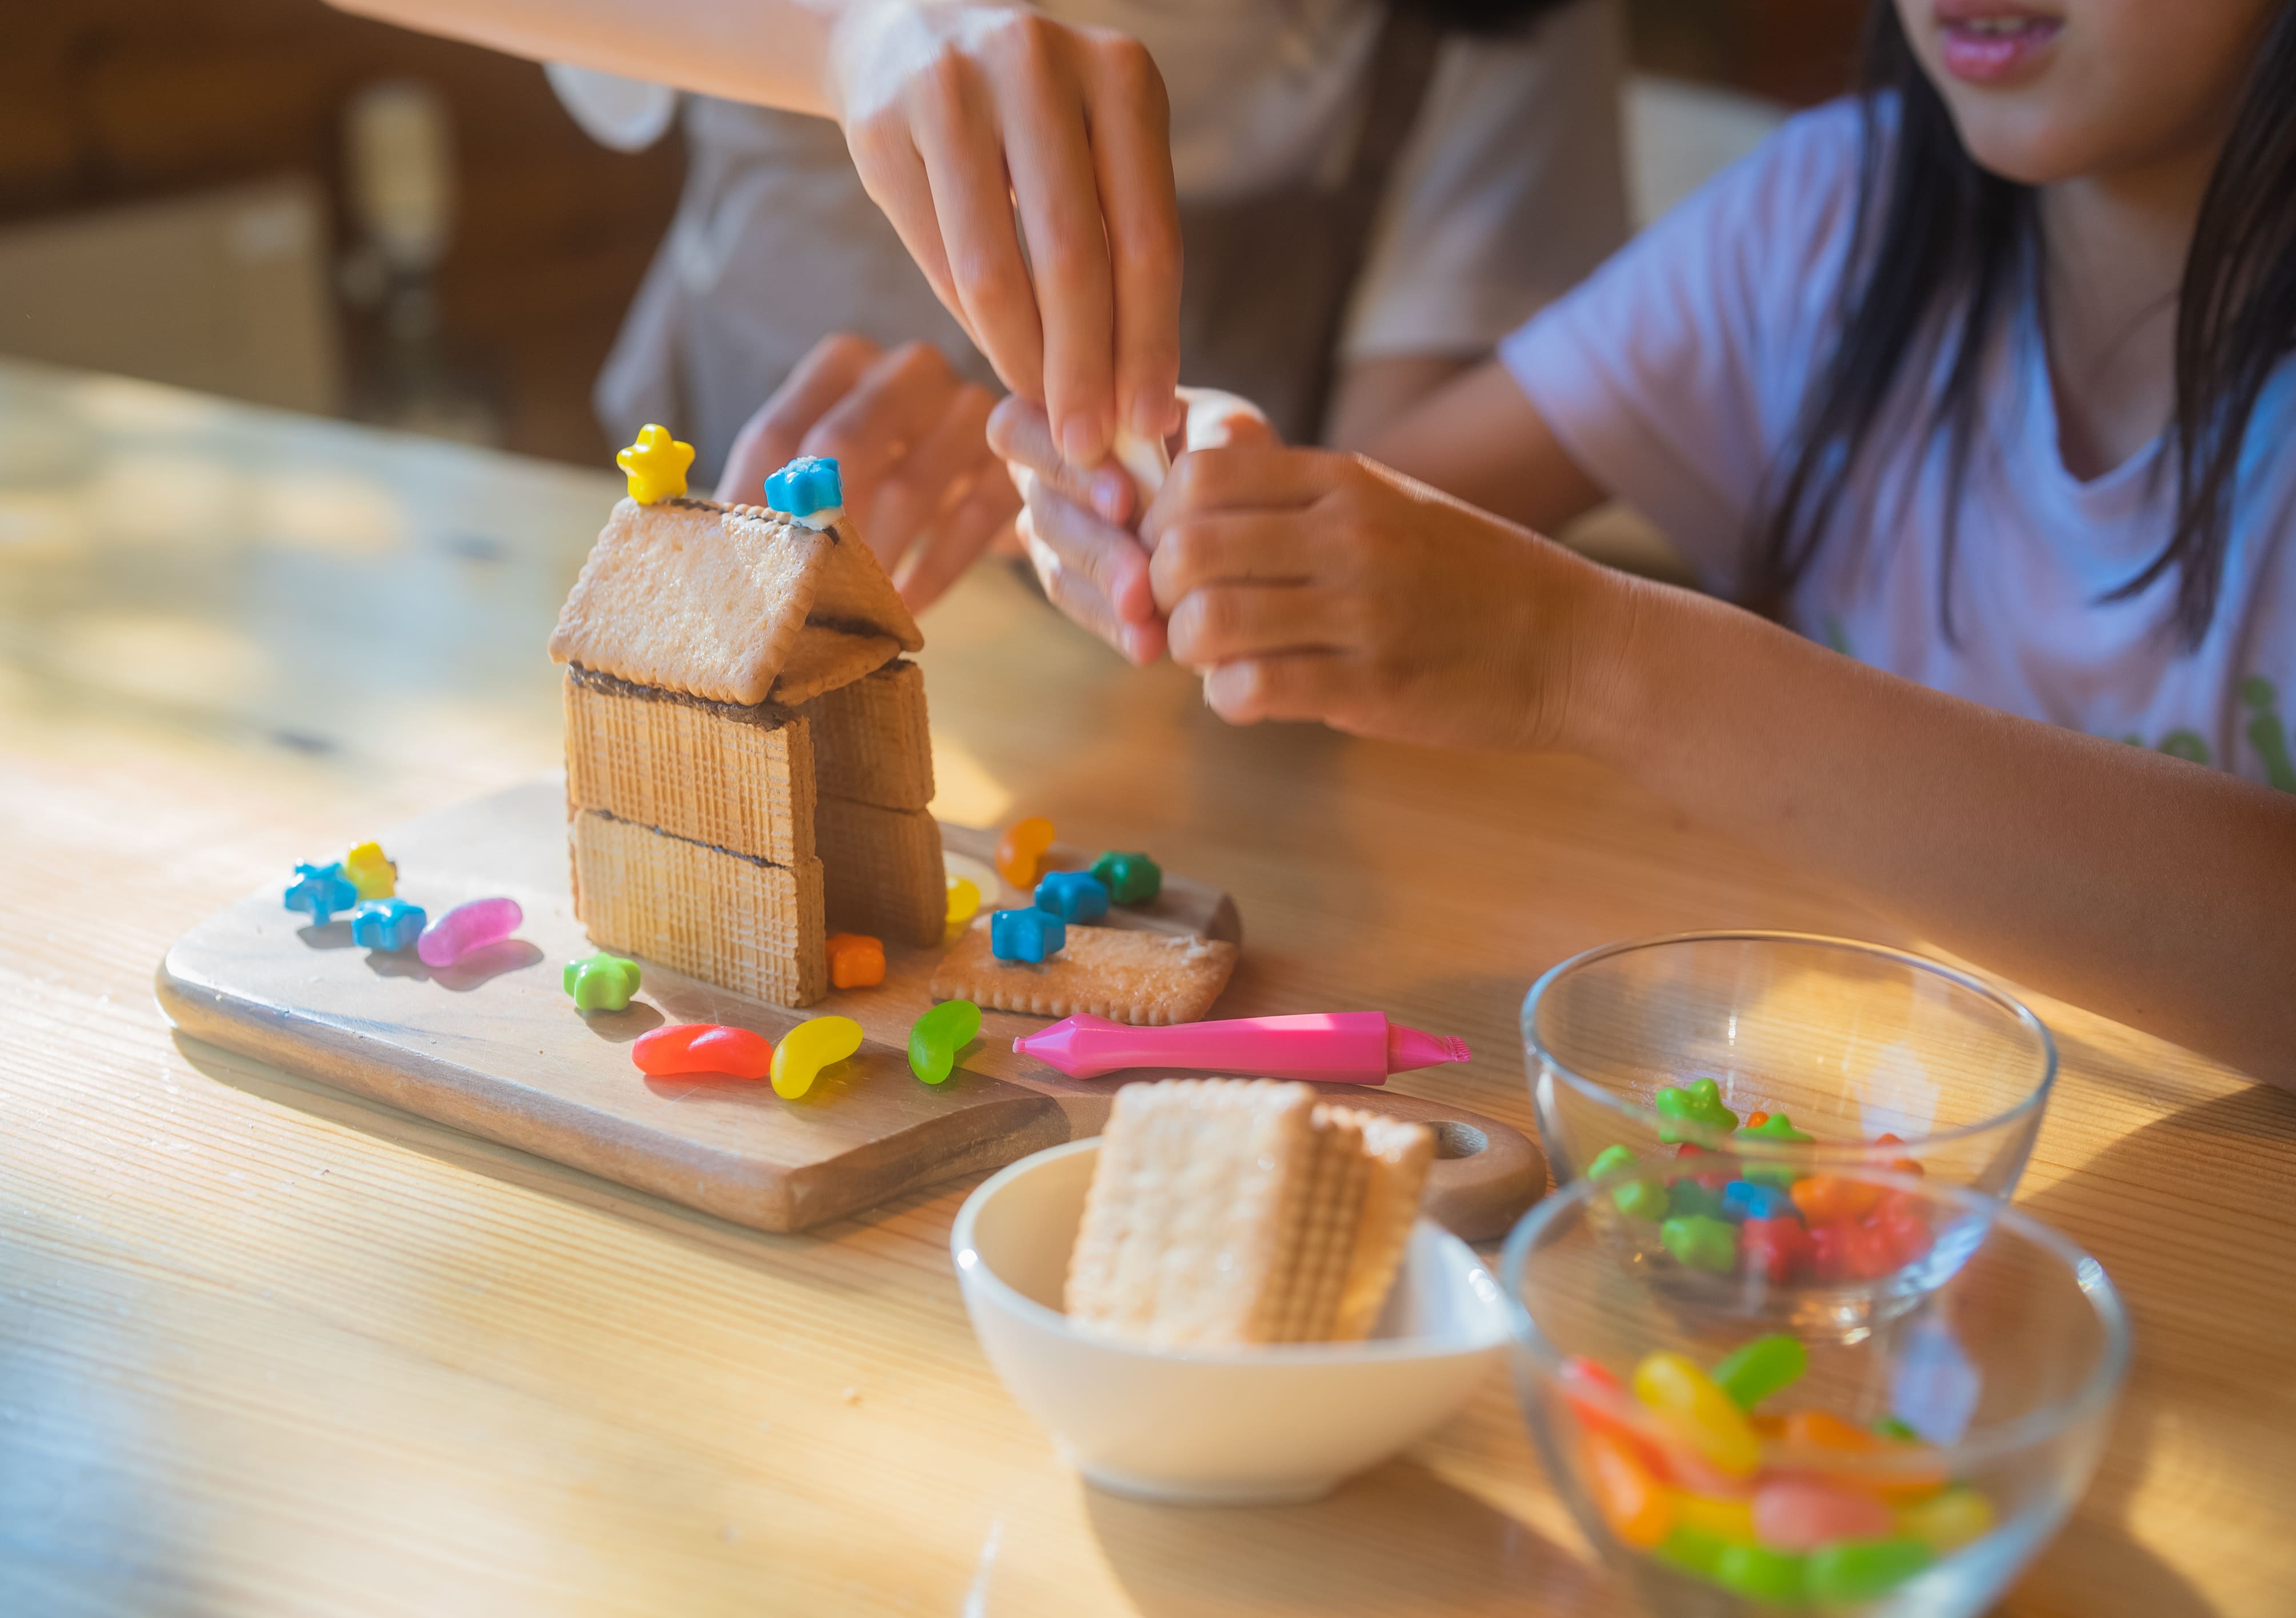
(320, 891)
(387, 924)
(704, 1047)
(1021, 850)
(601, 981)
(467, 929)
(807, 1049)
(936, 1037)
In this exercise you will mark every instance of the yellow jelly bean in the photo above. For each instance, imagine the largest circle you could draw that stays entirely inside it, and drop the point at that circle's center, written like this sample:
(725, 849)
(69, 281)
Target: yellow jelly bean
(964, 904)
(1693, 1409)
(809, 1048)
(374, 876)
(656, 464)
(1947, 1521)
(1723, 1518)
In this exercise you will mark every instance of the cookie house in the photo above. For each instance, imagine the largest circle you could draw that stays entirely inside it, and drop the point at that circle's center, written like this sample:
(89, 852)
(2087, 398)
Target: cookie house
(747, 758)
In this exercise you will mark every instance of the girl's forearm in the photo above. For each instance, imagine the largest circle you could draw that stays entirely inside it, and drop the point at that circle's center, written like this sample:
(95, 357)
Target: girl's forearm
(2159, 893)
(772, 53)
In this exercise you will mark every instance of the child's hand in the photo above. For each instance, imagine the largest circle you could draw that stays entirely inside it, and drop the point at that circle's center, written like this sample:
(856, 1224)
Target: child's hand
(906, 433)
(1077, 526)
(1312, 585)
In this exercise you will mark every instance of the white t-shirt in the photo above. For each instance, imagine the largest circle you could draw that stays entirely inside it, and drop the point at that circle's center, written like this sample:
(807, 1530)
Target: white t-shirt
(1511, 189)
(1675, 376)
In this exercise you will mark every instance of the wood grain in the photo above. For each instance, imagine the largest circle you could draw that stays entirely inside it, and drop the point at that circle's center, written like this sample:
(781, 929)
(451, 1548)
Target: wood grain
(267, 1347)
(493, 1046)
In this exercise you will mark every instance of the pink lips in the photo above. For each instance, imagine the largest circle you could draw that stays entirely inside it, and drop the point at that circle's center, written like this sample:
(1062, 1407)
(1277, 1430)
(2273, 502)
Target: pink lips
(1986, 41)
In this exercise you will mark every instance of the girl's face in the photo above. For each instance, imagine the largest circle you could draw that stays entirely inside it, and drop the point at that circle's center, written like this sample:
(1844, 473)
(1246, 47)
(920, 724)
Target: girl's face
(2049, 90)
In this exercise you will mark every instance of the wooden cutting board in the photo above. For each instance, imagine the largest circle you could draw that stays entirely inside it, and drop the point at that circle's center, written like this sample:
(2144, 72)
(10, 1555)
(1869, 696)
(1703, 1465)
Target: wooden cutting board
(493, 1045)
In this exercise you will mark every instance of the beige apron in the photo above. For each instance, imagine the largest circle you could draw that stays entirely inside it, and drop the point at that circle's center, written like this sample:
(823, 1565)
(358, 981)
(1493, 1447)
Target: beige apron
(775, 244)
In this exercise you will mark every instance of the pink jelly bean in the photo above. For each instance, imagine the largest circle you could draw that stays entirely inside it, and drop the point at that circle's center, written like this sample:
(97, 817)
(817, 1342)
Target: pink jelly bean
(467, 927)
(1794, 1515)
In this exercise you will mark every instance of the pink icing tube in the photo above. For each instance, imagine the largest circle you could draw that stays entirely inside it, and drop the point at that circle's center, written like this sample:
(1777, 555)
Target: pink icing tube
(1328, 1047)
(467, 927)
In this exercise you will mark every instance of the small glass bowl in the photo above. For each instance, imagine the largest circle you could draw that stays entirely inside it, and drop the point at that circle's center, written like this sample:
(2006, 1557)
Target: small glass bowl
(1917, 1461)
(1886, 1060)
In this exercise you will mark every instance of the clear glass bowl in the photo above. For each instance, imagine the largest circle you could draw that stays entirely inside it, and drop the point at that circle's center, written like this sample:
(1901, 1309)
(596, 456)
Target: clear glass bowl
(1928, 1445)
(1850, 1041)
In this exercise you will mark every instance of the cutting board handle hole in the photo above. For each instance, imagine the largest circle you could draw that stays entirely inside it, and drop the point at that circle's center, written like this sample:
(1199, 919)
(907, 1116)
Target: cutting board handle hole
(1453, 1139)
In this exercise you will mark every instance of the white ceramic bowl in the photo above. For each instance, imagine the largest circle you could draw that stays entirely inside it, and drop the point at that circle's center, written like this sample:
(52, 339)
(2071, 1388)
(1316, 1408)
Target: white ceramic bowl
(1214, 1427)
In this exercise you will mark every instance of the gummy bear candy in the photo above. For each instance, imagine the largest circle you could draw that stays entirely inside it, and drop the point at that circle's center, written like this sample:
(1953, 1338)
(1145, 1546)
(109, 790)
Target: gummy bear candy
(856, 960)
(807, 1049)
(1072, 895)
(1698, 1106)
(1131, 878)
(1745, 1199)
(1778, 1249)
(387, 924)
(1701, 1242)
(1828, 1198)
(601, 981)
(467, 927)
(964, 903)
(1774, 1127)
(1022, 849)
(374, 876)
(322, 890)
(656, 464)
(936, 1037)
(808, 489)
(704, 1047)
(1026, 935)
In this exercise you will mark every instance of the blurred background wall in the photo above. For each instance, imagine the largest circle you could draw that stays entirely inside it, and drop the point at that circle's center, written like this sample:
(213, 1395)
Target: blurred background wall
(270, 199)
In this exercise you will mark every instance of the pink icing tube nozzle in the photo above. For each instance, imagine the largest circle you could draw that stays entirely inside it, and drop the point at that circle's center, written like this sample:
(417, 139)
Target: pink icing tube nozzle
(1327, 1048)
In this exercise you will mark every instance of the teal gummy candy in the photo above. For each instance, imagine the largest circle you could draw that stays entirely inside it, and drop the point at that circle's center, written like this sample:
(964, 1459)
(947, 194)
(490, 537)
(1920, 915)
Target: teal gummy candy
(1688, 1197)
(1072, 895)
(322, 890)
(1026, 935)
(1753, 1371)
(1638, 1198)
(601, 981)
(936, 1037)
(1693, 1551)
(1778, 1128)
(1702, 1243)
(807, 485)
(1761, 1573)
(1131, 878)
(387, 924)
(1698, 1106)
(1859, 1570)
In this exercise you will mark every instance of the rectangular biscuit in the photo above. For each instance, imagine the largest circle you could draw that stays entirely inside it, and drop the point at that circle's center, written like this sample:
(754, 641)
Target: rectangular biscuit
(727, 919)
(1144, 978)
(883, 871)
(733, 776)
(872, 742)
(1397, 1155)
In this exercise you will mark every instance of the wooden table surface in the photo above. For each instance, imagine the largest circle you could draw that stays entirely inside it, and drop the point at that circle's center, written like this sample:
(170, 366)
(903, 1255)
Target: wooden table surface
(267, 1349)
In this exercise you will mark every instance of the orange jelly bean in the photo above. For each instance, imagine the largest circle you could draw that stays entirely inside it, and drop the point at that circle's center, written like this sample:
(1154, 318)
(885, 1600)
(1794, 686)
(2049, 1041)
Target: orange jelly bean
(1830, 1199)
(1755, 1120)
(1636, 1504)
(1021, 851)
(856, 960)
(1817, 1433)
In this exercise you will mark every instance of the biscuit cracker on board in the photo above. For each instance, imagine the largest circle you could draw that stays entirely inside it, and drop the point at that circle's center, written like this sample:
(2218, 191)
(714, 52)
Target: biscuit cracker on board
(1127, 976)
(1235, 1212)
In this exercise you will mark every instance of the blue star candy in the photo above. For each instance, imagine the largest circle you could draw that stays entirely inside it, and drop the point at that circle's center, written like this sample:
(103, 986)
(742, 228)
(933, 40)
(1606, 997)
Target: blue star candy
(807, 485)
(387, 924)
(1026, 935)
(320, 891)
(1072, 895)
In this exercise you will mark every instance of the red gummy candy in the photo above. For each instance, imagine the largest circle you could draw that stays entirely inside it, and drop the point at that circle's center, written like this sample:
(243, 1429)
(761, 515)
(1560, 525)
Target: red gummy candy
(1712, 1182)
(1776, 1248)
(704, 1047)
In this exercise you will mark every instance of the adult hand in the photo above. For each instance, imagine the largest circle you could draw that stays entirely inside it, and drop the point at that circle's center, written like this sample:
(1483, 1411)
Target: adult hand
(960, 115)
(1078, 523)
(1313, 586)
(909, 436)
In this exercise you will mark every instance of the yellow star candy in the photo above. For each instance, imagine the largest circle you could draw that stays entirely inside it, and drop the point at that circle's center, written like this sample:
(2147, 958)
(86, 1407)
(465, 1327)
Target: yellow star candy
(656, 464)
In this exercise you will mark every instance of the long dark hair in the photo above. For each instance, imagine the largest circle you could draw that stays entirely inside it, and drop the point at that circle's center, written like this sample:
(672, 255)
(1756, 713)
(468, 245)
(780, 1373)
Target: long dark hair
(1942, 250)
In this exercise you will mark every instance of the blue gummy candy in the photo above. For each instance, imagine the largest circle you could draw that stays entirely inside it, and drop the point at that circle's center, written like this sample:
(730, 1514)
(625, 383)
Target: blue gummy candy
(321, 890)
(387, 924)
(1743, 1199)
(1072, 895)
(1026, 935)
(807, 485)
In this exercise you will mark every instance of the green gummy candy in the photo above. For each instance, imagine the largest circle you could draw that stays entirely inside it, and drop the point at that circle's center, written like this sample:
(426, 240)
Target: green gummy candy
(1608, 1159)
(1753, 1371)
(1687, 1197)
(1777, 1126)
(1641, 1199)
(1130, 878)
(1764, 1575)
(601, 981)
(1892, 1428)
(1698, 1106)
(1859, 1570)
(1693, 1551)
(936, 1037)
(1702, 1243)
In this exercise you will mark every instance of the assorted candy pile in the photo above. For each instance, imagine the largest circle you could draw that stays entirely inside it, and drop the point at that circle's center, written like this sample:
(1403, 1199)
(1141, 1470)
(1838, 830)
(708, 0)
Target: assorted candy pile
(1786, 1508)
(366, 883)
(1771, 1220)
(936, 1039)
(1040, 930)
